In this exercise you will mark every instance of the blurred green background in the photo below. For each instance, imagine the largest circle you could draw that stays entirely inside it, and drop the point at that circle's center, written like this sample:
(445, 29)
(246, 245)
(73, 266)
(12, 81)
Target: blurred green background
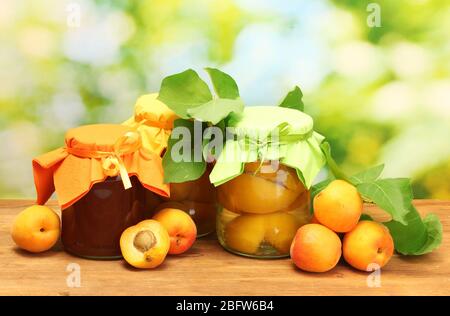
(380, 94)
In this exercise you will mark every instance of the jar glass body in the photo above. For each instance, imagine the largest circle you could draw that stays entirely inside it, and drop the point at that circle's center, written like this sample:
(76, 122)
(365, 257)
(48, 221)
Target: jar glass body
(260, 211)
(198, 199)
(92, 226)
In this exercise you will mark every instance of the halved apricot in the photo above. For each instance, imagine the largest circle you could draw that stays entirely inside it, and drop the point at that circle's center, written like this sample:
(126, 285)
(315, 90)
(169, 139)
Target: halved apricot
(145, 245)
(276, 173)
(280, 230)
(260, 193)
(245, 233)
(227, 216)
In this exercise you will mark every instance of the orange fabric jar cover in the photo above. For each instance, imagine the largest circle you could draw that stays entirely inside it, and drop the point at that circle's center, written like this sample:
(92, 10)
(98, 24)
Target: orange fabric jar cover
(91, 154)
(154, 121)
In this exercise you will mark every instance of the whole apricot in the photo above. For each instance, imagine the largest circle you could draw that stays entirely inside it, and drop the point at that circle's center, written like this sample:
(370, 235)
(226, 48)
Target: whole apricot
(181, 229)
(203, 214)
(245, 233)
(338, 206)
(145, 245)
(315, 248)
(368, 243)
(36, 229)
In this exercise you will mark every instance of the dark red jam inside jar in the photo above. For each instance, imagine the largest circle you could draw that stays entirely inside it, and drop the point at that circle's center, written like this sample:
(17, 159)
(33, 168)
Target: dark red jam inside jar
(92, 226)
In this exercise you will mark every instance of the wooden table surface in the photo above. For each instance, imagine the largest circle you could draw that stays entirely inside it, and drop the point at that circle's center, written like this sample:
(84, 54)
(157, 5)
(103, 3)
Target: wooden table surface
(206, 269)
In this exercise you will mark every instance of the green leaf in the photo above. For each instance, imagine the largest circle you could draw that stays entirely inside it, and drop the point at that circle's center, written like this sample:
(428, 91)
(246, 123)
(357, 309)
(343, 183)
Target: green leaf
(183, 91)
(433, 227)
(182, 171)
(332, 165)
(368, 175)
(216, 110)
(392, 195)
(418, 236)
(224, 85)
(293, 100)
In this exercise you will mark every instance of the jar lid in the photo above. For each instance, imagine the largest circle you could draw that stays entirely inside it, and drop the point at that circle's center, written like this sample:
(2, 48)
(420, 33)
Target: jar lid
(154, 121)
(264, 119)
(101, 137)
(90, 155)
(270, 133)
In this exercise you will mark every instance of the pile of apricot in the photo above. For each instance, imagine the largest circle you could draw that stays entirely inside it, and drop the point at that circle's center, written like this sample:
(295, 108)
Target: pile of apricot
(262, 210)
(145, 245)
(337, 209)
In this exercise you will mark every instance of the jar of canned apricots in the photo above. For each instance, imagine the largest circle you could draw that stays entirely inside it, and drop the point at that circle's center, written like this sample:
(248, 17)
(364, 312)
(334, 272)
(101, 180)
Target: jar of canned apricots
(263, 176)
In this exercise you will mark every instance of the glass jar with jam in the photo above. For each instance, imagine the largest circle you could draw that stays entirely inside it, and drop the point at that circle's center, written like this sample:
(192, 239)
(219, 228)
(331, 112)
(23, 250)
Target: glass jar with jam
(92, 226)
(105, 182)
(154, 120)
(263, 177)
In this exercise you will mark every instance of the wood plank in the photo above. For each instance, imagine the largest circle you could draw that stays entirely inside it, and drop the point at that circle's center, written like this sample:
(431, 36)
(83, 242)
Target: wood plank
(209, 270)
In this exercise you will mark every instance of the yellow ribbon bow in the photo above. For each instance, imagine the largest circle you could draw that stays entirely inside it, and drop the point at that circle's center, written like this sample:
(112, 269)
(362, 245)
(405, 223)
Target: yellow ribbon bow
(112, 162)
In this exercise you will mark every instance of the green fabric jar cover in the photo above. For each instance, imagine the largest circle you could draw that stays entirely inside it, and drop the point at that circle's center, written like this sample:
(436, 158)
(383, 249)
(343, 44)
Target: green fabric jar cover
(296, 144)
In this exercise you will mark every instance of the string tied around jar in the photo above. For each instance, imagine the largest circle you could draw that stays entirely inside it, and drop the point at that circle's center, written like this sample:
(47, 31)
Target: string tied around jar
(112, 161)
(273, 141)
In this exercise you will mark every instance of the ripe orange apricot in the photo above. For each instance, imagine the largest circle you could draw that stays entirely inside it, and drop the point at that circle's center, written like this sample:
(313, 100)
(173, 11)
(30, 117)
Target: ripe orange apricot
(203, 214)
(181, 229)
(145, 245)
(315, 248)
(368, 243)
(338, 206)
(36, 229)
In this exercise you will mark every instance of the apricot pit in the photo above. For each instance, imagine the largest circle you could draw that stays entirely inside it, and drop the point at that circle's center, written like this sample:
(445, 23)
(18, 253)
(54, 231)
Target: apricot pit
(144, 240)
